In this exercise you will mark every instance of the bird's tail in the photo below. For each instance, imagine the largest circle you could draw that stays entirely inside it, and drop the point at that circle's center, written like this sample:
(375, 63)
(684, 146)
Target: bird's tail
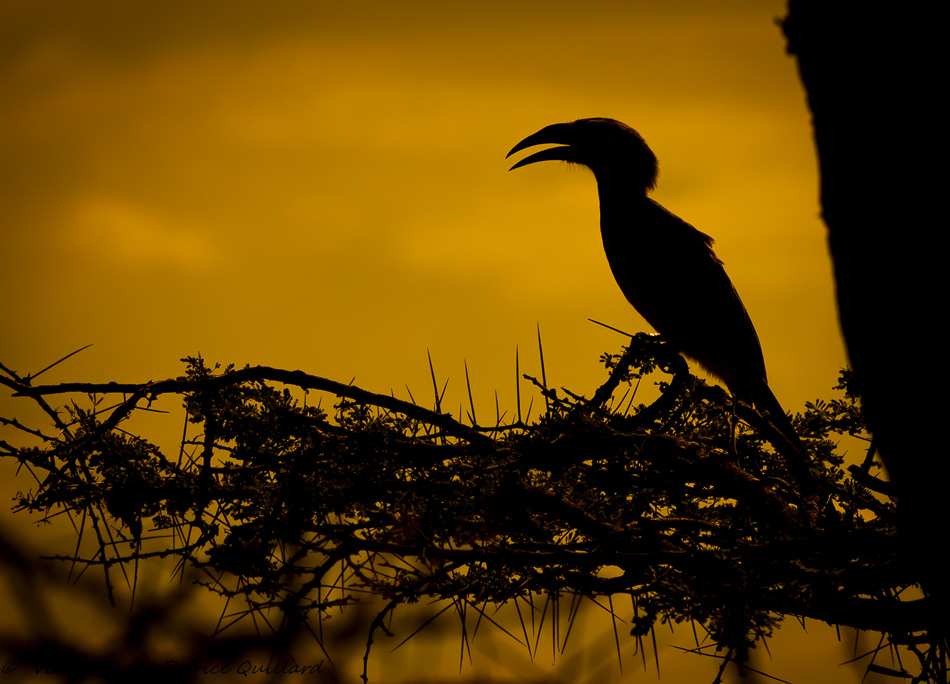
(793, 450)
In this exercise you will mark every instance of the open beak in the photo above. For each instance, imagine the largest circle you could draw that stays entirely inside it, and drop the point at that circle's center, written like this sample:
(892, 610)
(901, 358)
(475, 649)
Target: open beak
(558, 134)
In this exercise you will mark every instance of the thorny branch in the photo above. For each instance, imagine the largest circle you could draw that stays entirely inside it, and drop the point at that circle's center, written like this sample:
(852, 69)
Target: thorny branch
(598, 497)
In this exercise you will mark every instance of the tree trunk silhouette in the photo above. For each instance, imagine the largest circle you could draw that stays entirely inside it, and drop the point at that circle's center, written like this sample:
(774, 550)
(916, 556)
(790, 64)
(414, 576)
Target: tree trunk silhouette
(870, 72)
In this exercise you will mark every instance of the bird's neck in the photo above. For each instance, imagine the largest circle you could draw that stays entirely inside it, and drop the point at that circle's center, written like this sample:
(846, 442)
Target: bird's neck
(621, 200)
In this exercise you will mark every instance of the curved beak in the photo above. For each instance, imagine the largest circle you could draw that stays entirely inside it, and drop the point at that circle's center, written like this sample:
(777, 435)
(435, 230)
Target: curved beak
(558, 134)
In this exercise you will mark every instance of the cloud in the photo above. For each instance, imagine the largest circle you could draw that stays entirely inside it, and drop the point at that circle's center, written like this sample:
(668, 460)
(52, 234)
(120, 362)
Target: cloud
(120, 232)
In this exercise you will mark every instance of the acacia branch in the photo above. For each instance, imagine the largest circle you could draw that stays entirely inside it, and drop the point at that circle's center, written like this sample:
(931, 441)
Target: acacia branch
(306, 381)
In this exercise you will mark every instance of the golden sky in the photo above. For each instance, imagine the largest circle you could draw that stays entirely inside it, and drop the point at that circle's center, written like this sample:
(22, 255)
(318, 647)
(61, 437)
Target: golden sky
(323, 186)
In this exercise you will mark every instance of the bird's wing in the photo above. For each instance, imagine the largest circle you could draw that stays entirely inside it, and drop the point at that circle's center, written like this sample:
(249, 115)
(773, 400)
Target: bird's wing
(673, 278)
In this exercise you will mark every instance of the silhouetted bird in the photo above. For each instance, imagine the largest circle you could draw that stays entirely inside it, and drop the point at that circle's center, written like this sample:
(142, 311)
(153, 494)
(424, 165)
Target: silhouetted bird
(665, 267)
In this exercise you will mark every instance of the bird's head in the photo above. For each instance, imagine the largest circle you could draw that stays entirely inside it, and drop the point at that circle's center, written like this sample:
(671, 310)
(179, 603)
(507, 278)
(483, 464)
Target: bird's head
(607, 147)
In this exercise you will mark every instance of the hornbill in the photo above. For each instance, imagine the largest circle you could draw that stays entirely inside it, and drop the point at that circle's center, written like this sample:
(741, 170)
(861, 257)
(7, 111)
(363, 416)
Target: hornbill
(665, 267)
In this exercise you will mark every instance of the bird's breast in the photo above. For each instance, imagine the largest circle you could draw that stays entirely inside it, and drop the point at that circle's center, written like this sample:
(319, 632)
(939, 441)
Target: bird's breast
(650, 258)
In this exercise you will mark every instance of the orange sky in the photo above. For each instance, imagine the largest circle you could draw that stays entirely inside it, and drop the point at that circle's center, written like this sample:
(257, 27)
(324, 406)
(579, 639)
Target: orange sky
(324, 187)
